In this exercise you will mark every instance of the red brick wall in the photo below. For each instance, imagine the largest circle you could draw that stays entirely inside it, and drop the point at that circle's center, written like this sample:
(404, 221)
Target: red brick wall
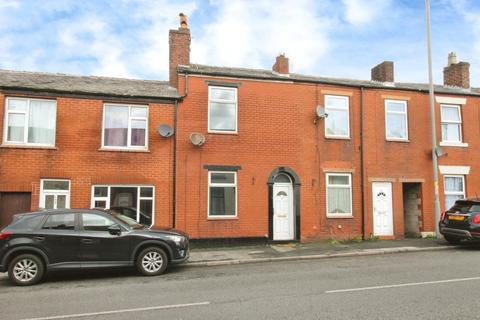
(77, 157)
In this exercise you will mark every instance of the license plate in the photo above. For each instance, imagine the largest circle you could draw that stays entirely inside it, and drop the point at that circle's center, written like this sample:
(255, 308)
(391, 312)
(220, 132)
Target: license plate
(456, 218)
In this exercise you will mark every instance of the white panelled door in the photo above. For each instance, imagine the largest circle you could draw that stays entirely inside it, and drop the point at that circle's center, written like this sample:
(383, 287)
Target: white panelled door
(283, 222)
(382, 209)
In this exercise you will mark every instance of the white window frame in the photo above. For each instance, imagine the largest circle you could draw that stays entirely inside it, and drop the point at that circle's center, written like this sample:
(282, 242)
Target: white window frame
(234, 184)
(231, 102)
(27, 116)
(55, 193)
(107, 198)
(404, 113)
(453, 193)
(459, 122)
(336, 186)
(347, 108)
(129, 128)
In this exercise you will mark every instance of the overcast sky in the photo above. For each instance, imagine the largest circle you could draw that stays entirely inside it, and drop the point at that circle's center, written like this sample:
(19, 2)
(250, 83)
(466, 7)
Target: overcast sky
(337, 38)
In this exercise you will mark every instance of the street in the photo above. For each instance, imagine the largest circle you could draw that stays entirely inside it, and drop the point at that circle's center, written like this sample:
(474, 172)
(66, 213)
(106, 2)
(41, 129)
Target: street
(426, 285)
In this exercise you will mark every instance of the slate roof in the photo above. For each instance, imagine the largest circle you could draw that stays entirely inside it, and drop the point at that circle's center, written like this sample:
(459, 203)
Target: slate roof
(271, 75)
(86, 85)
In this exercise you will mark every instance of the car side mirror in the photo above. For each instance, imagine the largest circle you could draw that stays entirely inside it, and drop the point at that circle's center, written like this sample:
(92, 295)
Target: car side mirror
(115, 229)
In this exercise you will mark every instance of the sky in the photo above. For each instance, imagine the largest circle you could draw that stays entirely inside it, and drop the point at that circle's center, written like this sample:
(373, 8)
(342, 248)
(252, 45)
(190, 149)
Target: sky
(333, 38)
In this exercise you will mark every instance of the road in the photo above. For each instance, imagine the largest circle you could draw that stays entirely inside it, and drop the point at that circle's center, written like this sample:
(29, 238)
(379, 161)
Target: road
(427, 285)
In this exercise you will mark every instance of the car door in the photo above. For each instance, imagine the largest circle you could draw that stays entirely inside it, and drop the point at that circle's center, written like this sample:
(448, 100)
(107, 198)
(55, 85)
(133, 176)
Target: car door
(60, 238)
(98, 246)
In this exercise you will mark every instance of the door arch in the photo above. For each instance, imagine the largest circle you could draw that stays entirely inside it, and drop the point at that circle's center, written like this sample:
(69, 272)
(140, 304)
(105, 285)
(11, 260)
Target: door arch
(284, 188)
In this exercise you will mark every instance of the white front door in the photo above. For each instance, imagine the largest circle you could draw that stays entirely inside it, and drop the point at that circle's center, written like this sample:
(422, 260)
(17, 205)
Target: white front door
(382, 209)
(283, 211)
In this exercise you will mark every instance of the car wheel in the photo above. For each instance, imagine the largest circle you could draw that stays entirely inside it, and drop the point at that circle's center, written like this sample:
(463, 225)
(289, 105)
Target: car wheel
(452, 240)
(26, 270)
(152, 261)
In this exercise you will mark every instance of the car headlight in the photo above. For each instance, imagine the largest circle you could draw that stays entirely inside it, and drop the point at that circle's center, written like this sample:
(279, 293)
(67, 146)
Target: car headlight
(177, 239)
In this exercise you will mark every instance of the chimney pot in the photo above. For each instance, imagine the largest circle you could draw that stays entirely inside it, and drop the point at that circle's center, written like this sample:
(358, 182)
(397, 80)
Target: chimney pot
(183, 21)
(383, 72)
(281, 64)
(452, 58)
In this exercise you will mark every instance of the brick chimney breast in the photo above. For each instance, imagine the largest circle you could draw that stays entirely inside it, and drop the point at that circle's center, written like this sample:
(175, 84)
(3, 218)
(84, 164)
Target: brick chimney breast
(383, 72)
(456, 74)
(281, 64)
(179, 51)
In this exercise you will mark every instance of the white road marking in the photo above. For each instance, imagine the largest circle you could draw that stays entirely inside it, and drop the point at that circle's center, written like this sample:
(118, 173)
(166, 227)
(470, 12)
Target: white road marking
(403, 285)
(80, 315)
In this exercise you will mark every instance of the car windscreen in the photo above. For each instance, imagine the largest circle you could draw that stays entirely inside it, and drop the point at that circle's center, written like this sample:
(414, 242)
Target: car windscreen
(127, 220)
(26, 222)
(464, 207)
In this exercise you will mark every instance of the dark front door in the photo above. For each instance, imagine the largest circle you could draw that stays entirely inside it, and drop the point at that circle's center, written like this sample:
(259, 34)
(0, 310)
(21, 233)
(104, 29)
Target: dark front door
(12, 203)
(97, 245)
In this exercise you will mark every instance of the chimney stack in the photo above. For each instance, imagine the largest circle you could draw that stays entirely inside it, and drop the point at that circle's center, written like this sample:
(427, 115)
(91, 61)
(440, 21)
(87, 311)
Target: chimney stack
(179, 54)
(281, 64)
(383, 72)
(456, 74)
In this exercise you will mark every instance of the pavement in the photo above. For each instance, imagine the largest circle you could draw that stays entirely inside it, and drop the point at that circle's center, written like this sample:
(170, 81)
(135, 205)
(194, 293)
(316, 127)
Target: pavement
(218, 256)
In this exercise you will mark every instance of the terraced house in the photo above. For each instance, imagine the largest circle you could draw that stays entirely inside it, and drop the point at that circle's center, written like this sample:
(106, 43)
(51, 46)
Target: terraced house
(260, 154)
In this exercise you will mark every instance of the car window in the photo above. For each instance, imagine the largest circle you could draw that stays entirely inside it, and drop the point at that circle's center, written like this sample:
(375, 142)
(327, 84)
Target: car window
(26, 223)
(465, 207)
(96, 222)
(64, 221)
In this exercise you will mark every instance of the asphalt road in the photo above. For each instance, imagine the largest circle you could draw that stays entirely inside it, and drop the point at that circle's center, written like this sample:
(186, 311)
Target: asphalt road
(427, 285)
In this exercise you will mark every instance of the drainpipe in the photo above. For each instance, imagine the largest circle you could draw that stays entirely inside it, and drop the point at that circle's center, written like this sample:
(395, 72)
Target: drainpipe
(362, 162)
(175, 120)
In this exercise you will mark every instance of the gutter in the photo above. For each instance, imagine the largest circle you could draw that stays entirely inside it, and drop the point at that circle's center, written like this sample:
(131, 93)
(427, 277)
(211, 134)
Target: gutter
(362, 161)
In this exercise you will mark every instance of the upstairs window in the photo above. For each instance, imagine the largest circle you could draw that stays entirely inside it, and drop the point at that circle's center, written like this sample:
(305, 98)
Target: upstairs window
(222, 109)
(451, 123)
(30, 122)
(337, 122)
(396, 120)
(125, 126)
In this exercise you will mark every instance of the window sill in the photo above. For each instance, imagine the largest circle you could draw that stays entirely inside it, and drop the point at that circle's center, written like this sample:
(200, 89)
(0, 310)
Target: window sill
(333, 216)
(26, 146)
(219, 218)
(397, 140)
(453, 144)
(337, 138)
(124, 150)
(232, 133)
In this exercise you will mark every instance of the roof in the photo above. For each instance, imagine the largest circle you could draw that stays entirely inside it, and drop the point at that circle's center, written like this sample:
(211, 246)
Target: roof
(86, 85)
(263, 74)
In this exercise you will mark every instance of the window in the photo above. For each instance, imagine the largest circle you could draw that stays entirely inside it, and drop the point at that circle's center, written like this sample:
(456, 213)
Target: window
(337, 122)
(64, 221)
(222, 109)
(96, 222)
(451, 123)
(396, 120)
(454, 187)
(125, 126)
(136, 201)
(30, 122)
(222, 194)
(54, 194)
(339, 195)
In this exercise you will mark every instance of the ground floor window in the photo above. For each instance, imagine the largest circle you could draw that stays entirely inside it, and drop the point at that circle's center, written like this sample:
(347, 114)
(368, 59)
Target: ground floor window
(339, 195)
(136, 202)
(54, 194)
(222, 194)
(454, 187)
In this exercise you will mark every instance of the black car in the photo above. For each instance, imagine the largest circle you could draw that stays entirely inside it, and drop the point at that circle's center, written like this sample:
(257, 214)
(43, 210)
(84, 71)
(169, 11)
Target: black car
(37, 242)
(461, 222)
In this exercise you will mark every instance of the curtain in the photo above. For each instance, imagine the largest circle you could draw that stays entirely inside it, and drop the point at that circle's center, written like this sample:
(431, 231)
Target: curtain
(339, 200)
(454, 184)
(138, 132)
(41, 122)
(16, 127)
(116, 126)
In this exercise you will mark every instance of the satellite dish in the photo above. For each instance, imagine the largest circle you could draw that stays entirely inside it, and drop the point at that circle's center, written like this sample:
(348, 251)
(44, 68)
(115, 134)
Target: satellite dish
(197, 139)
(321, 112)
(165, 130)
